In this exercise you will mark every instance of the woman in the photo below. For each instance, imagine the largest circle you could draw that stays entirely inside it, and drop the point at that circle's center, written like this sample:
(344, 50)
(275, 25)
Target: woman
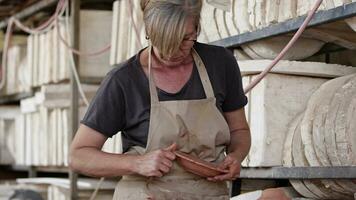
(177, 94)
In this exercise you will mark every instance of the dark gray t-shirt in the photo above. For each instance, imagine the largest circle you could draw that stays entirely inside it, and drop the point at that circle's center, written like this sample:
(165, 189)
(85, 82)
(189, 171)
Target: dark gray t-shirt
(122, 102)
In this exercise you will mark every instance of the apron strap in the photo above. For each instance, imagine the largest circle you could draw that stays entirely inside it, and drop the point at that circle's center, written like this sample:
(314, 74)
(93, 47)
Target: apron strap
(152, 84)
(209, 92)
(204, 77)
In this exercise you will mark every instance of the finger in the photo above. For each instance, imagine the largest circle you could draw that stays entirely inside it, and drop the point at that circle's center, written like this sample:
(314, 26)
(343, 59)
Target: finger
(157, 173)
(223, 177)
(167, 162)
(226, 163)
(226, 176)
(172, 147)
(236, 173)
(235, 170)
(231, 175)
(163, 168)
(211, 179)
(169, 155)
(222, 166)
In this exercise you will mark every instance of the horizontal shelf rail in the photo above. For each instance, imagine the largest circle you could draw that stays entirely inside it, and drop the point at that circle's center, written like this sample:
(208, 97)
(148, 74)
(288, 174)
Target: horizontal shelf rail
(15, 97)
(339, 172)
(53, 169)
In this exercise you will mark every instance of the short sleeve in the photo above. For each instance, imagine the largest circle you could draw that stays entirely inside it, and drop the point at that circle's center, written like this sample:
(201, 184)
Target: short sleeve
(235, 97)
(107, 109)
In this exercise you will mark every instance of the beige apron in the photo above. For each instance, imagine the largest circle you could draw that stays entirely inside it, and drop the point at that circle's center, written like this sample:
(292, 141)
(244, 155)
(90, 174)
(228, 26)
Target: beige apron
(198, 128)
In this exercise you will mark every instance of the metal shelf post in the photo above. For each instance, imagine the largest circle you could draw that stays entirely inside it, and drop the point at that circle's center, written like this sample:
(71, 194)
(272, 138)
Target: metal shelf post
(74, 107)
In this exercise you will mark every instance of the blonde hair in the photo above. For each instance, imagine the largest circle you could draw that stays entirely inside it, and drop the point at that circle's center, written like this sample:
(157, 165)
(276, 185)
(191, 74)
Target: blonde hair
(165, 22)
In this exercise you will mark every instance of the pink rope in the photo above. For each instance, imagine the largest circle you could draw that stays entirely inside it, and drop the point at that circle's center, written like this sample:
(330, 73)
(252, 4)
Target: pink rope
(60, 5)
(285, 49)
(47, 24)
(75, 51)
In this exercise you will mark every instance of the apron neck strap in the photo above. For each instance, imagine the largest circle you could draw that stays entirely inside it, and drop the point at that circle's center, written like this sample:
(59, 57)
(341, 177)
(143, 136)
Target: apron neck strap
(203, 74)
(201, 70)
(152, 84)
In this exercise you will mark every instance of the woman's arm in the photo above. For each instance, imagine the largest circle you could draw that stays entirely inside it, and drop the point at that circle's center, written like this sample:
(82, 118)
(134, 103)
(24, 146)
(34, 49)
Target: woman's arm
(87, 158)
(239, 146)
(240, 134)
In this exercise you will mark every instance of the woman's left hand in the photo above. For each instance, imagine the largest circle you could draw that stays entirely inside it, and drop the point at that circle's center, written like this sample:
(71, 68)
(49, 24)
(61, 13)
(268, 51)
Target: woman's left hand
(233, 165)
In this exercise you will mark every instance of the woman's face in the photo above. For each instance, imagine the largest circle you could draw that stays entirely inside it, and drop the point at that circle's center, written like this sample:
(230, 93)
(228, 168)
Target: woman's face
(185, 47)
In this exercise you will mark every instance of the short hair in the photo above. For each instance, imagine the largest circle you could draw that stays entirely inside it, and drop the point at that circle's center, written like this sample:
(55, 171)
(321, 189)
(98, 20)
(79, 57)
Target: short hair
(165, 22)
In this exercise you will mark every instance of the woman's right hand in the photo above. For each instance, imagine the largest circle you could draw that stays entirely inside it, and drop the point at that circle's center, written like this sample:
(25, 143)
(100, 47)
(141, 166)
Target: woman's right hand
(155, 163)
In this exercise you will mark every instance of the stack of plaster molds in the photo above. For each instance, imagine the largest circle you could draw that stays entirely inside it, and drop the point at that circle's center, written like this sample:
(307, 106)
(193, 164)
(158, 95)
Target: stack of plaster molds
(16, 61)
(217, 23)
(277, 100)
(43, 131)
(58, 188)
(271, 47)
(128, 31)
(214, 23)
(9, 125)
(95, 34)
(49, 59)
(325, 135)
(245, 16)
(249, 15)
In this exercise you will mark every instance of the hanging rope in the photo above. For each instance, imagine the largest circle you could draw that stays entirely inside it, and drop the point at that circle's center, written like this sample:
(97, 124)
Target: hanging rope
(46, 26)
(75, 51)
(285, 49)
(10, 26)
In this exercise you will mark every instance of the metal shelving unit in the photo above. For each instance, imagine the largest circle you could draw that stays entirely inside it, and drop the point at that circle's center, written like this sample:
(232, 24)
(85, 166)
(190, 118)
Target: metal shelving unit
(74, 9)
(74, 96)
(323, 17)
